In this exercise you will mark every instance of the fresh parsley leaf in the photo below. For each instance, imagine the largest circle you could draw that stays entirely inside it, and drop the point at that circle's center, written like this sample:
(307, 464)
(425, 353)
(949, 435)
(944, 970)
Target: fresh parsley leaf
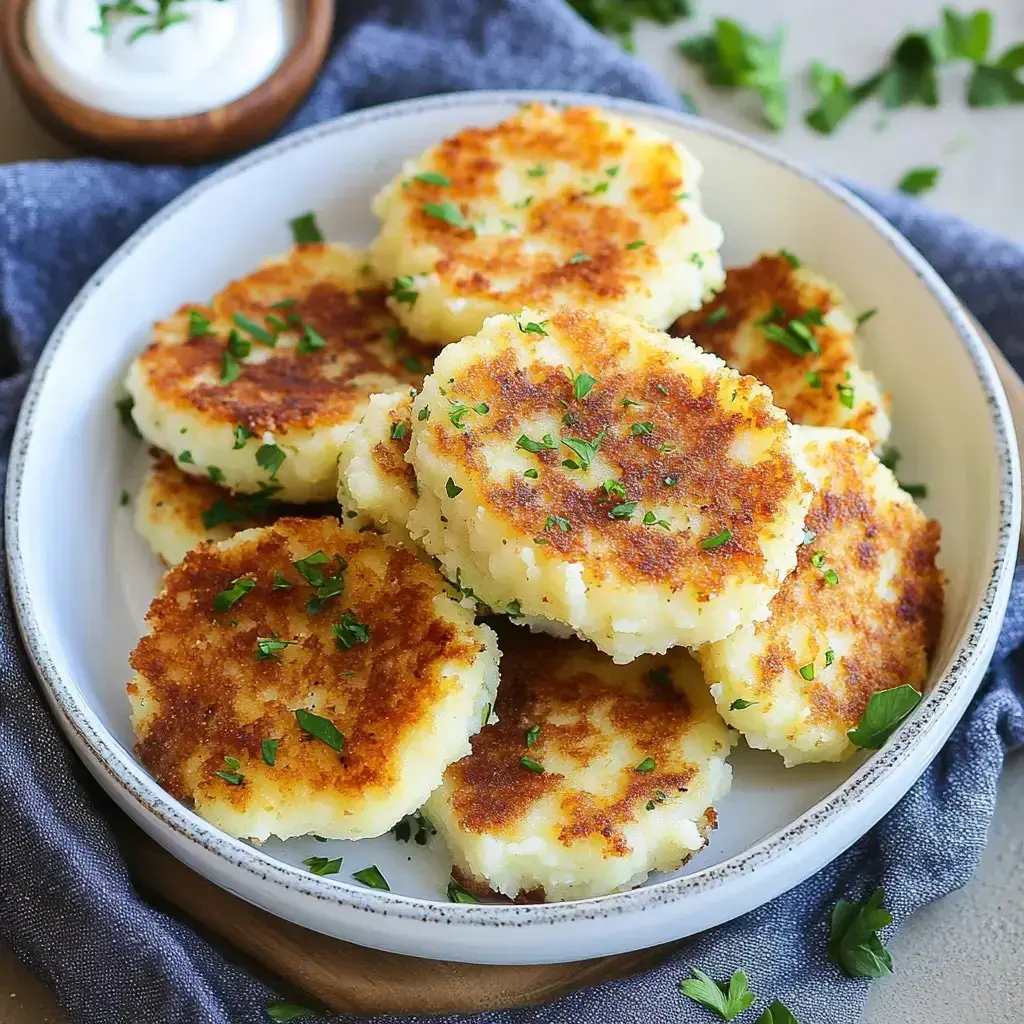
(964, 36)
(532, 766)
(372, 877)
(186, 459)
(623, 511)
(230, 596)
(580, 257)
(125, 499)
(997, 85)
(456, 894)
(638, 243)
(739, 704)
(919, 180)
(639, 429)
(198, 325)
(831, 577)
(734, 57)
(305, 229)
(242, 434)
(399, 430)
(614, 489)
(402, 290)
(807, 671)
(648, 764)
(531, 735)
(282, 1013)
(531, 474)
(232, 777)
(910, 75)
(854, 945)
(582, 384)
(846, 395)
(790, 258)
(717, 540)
(885, 712)
(814, 380)
(268, 748)
(323, 865)
(124, 408)
(309, 568)
(239, 508)
(451, 488)
(836, 99)
(777, 1014)
(914, 490)
(536, 171)
(532, 328)
(270, 457)
(216, 474)
(350, 631)
(863, 318)
(545, 444)
(267, 647)
(311, 340)
(448, 212)
(553, 521)
(433, 178)
(618, 17)
(727, 1000)
(321, 728)
(717, 315)
(585, 451)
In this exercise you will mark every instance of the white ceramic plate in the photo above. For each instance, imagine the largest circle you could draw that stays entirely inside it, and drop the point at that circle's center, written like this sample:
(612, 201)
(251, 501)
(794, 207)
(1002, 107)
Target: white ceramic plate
(82, 579)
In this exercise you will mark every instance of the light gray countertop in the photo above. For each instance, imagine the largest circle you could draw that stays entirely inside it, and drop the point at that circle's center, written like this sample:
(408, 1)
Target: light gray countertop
(961, 959)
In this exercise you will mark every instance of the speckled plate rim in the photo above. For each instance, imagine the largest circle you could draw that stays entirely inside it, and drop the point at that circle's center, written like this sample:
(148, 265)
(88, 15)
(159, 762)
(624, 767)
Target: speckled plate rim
(918, 738)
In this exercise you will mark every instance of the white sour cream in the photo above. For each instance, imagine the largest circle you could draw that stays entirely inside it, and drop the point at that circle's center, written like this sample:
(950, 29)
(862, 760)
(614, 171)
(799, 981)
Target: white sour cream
(219, 52)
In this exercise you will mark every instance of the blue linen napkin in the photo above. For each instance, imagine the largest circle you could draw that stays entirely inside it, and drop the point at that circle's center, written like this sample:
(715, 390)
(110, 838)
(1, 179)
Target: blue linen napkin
(67, 905)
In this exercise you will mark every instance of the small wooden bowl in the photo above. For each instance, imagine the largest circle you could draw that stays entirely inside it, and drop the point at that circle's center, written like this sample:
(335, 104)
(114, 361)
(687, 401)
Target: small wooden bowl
(192, 139)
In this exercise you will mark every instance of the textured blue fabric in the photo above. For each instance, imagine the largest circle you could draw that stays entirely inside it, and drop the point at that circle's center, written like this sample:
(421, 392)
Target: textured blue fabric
(67, 905)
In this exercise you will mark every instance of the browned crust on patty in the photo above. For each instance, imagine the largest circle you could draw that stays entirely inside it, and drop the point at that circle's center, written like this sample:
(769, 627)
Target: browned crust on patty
(217, 698)
(492, 792)
(389, 454)
(690, 442)
(750, 292)
(289, 390)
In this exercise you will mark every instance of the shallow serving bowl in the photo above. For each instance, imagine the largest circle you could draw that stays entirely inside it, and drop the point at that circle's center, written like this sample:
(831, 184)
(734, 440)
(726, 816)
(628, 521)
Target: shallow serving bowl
(82, 580)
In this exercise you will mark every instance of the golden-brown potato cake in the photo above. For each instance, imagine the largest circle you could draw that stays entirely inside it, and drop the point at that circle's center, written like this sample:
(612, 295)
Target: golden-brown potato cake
(860, 613)
(597, 473)
(594, 775)
(304, 678)
(376, 485)
(575, 207)
(175, 512)
(262, 384)
(771, 307)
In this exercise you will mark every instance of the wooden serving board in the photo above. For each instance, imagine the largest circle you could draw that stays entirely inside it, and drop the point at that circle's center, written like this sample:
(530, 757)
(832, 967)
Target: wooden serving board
(345, 977)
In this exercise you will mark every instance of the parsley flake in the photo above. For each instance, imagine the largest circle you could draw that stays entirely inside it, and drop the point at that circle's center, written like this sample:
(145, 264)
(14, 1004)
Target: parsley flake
(456, 894)
(270, 457)
(717, 315)
(807, 671)
(623, 511)
(124, 408)
(532, 328)
(614, 489)
(580, 257)
(537, 171)
(546, 443)
(268, 647)
(230, 596)
(398, 431)
(268, 748)
(402, 291)
(452, 489)
(885, 711)
(323, 865)
(433, 178)
(638, 429)
(639, 243)
(350, 631)
(582, 384)
(305, 229)
(320, 728)
(531, 735)
(739, 704)
(282, 1012)
(532, 766)
(919, 180)
(648, 764)
(242, 434)
(448, 212)
(198, 325)
(372, 878)
(717, 540)
(562, 524)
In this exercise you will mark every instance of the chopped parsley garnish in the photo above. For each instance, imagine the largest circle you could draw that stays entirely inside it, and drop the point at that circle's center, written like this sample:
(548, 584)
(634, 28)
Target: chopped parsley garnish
(614, 489)
(398, 431)
(600, 188)
(216, 474)
(670, 481)
(546, 443)
(460, 410)
(580, 257)
(814, 379)
(650, 519)
(648, 764)
(846, 395)
(522, 204)
(514, 609)
(830, 658)
(831, 577)
(818, 559)
(350, 631)
(485, 715)
(323, 865)
(231, 778)
(532, 328)
(424, 414)
(531, 735)
(919, 180)
(283, 1013)
(638, 429)
(254, 330)
(309, 568)
(305, 229)
(796, 335)
(270, 457)
(639, 243)
(536, 171)
(268, 647)
(198, 325)
(403, 291)
(553, 521)
(717, 315)
(739, 704)
(627, 402)
(717, 540)
(697, 260)
(884, 712)
(372, 878)
(618, 17)
(403, 831)
(582, 384)
(185, 458)
(451, 488)
(890, 457)
(230, 596)
(124, 408)
(310, 340)
(623, 511)
(854, 945)
(242, 434)
(734, 57)
(807, 671)
(531, 474)
(320, 728)
(915, 490)
(448, 212)
(532, 766)
(238, 346)
(728, 1000)
(239, 508)
(268, 748)
(456, 894)
(864, 317)
(433, 178)
(585, 451)
(124, 499)
(790, 258)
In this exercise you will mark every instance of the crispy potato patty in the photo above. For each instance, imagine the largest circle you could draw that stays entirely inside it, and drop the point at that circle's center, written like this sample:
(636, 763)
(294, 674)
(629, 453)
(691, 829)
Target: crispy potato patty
(860, 613)
(273, 717)
(264, 382)
(575, 207)
(376, 485)
(175, 512)
(772, 307)
(594, 775)
(589, 470)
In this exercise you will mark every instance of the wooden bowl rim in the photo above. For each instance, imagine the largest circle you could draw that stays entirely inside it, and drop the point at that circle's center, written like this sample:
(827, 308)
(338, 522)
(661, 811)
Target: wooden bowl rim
(309, 48)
